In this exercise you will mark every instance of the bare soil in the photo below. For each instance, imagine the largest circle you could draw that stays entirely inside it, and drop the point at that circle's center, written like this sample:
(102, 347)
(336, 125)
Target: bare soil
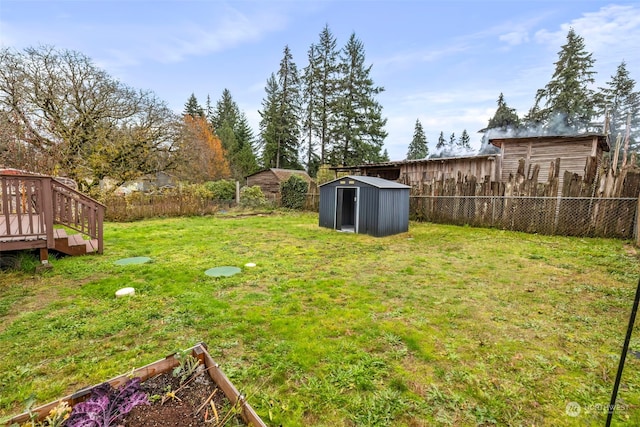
(187, 405)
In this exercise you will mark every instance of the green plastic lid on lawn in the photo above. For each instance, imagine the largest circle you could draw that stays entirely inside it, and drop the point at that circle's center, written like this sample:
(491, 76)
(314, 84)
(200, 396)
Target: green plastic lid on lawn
(225, 271)
(133, 260)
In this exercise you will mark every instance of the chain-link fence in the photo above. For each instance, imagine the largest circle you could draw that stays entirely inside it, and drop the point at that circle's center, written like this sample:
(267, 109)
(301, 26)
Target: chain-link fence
(568, 216)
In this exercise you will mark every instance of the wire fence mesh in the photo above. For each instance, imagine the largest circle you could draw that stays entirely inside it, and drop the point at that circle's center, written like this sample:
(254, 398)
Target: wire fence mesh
(568, 216)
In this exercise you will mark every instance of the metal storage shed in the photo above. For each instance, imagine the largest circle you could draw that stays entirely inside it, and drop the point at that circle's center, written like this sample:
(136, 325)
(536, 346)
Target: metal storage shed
(366, 205)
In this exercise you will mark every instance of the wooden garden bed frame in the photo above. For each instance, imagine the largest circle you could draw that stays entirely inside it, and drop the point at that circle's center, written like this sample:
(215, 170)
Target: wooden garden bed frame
(151, 370)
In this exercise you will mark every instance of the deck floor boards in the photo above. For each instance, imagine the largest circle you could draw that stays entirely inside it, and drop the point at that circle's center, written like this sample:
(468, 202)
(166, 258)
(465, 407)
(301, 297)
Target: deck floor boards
(32, 229)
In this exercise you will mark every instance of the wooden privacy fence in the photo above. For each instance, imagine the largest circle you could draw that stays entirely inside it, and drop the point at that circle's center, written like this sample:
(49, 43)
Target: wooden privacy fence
(139, 206)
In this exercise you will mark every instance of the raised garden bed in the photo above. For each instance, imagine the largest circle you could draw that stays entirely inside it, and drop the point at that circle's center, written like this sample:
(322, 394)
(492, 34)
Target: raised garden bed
(205, 398)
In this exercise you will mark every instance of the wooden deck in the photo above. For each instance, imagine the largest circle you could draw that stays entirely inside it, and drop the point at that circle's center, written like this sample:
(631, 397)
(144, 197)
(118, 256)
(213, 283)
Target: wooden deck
(30, 207)
(14, 228)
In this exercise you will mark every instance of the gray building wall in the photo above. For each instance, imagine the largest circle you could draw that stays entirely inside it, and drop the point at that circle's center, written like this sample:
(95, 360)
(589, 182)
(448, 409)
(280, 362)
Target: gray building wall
(381, 211)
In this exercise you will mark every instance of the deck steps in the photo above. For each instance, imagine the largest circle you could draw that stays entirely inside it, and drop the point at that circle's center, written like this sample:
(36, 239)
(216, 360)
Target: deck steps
(73, 244)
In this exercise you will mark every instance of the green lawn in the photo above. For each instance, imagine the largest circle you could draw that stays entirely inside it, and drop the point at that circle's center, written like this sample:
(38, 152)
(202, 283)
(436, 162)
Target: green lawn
(443, 325)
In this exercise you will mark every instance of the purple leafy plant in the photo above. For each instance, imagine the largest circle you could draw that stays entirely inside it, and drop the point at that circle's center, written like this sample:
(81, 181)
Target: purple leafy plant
(107, 406)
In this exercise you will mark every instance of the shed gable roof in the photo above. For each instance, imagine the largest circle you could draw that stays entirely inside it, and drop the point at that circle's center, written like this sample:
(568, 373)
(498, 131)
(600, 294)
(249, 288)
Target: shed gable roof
(284, 174)
(370, 180)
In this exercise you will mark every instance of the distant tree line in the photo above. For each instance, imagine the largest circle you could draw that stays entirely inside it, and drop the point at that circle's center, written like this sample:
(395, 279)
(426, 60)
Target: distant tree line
(325, 114)
(60, 114)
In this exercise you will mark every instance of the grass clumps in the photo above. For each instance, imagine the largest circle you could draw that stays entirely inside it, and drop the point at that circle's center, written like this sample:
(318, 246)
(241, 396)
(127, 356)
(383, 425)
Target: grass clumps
(443, 325)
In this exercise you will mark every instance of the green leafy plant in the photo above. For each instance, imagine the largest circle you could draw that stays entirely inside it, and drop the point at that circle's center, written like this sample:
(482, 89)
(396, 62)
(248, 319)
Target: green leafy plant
(294, 192)
(252, 197)
(222, 189)
(187, 367)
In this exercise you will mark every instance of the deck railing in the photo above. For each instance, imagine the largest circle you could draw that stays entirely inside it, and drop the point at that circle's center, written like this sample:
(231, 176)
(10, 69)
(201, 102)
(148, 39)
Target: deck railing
(22, 208)
(32, 204)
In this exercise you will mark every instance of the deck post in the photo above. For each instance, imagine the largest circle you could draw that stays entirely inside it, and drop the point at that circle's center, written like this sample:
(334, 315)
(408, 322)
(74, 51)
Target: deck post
(47, 209)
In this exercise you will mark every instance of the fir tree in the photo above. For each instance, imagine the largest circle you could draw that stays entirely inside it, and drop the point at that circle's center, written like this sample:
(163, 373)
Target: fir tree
(320, 79)
(504, 118)
(452, 142)
(232, 127)
(568, 99)
(208, 109)
(193, 108)
(619, 101)
(358, 132)
(311, 106)
(418, 148)
(465, 141)
(441, 142)
(279, 126)
(269, 122)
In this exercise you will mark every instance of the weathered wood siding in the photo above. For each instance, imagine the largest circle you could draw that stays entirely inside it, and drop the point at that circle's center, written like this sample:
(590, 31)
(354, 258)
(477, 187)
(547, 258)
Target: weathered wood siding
(417, 173)
(266, 180)
(577, 155)
(269, 180)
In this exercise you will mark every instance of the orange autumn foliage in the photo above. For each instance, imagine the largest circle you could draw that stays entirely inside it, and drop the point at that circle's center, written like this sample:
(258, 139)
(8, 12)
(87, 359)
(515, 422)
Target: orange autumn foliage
(207, 158)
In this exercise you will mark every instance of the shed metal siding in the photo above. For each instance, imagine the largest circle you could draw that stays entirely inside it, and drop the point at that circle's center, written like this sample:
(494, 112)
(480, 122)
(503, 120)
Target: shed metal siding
(394, 212)
(383, 206)
(368, 210)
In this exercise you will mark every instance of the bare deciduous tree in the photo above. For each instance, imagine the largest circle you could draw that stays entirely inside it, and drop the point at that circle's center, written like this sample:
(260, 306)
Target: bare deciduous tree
(79, 121)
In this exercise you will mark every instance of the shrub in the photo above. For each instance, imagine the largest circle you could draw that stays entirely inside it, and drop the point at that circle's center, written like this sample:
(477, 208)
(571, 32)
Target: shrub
(222, 189)
(252, 197)
(294, 192)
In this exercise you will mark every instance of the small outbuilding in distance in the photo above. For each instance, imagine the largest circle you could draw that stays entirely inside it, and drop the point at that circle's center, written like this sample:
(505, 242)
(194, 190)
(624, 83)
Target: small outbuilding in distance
(365, 205)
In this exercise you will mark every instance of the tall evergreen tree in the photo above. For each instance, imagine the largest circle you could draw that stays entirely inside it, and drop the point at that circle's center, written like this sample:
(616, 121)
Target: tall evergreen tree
(441, 142)
(619, 100)
(452, 141)
(192, 107)
(418, 148)
(358, 131)
(269, 122)
(311, 106)
(568, 99)
(280, 129)
(465, 141)
(504, 118)
(225, 110)
(326, 70)
(208, 109)
(232, 127)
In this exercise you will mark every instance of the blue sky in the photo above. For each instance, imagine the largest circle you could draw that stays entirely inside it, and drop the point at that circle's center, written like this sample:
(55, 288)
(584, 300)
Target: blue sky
(443, 62)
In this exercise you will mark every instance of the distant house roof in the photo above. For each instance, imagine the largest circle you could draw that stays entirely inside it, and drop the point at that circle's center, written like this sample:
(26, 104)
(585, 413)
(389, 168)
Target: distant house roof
(370, 180)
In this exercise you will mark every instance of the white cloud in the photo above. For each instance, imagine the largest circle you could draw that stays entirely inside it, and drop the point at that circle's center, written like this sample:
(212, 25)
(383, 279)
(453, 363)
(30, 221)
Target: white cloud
(515, 38)
(612, 34)
(175, 42)
(420, 56)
